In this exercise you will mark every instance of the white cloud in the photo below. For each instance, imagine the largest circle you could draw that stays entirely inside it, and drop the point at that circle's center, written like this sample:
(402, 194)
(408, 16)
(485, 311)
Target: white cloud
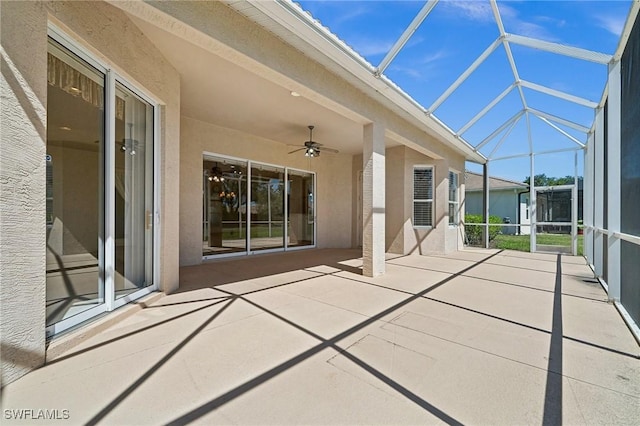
(481, 12)
(529, 29)
(411, 72)
(350, 13)
(434, 57)
(475, 10)
(613, 24)
(368, 47)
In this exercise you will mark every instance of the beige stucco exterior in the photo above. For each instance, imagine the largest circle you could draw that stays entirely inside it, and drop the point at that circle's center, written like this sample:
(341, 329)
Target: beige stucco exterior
(110, 37)
(333, 182)
(356, 194)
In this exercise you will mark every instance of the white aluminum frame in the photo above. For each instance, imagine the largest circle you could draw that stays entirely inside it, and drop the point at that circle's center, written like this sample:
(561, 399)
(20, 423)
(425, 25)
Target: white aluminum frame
(574, 208)
(598, 188)
(613, 179)
(456, 203)
(285, 247)
(107, 248)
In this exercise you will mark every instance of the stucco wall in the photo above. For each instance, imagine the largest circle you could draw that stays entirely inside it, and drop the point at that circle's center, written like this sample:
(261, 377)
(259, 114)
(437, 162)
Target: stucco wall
(22, 192)
(111, 37)
(333, 174)
(396, 192)
(401, 236)
(441, 238)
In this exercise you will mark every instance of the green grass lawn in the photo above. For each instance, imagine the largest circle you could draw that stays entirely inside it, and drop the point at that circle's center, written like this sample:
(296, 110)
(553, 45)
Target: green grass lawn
(521, 242)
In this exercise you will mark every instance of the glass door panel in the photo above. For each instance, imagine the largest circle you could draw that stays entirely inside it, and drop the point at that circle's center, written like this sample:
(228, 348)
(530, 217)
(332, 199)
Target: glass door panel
(224, 218)
(133, 193)
(75, 178)
(300, 209)
(267, 207)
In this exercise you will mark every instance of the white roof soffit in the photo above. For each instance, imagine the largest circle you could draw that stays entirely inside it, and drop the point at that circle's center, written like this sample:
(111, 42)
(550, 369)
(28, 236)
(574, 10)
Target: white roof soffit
(287, 17)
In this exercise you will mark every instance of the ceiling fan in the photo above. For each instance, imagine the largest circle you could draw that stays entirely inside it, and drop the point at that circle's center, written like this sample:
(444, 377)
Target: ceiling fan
(311, 148)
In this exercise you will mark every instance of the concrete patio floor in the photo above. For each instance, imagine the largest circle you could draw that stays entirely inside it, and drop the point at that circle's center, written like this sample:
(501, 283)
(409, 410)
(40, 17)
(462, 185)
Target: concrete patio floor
(477, 337)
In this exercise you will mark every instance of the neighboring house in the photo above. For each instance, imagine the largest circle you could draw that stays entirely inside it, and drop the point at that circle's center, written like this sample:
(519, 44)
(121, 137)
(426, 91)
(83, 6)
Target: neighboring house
(508, 200)
(135, 135)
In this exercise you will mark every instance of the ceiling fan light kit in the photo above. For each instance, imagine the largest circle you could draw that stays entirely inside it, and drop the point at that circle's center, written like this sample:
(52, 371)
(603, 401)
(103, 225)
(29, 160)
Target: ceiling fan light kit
(313, 149)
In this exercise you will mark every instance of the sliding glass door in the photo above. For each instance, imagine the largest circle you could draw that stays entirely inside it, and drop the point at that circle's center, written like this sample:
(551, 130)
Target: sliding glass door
(74, 186)
(99, 190)
(133, 190)
(252, 207)
(267, 207)
(300, 209)
(225, 206)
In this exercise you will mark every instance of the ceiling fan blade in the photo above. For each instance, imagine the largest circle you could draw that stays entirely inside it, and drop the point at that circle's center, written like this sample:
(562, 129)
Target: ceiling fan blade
(325, 149)
(296, 150)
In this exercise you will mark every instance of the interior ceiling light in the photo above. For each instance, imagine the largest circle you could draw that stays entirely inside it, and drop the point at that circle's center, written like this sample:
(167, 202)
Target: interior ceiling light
(216, 174)
(129, 144)
(295, 94)
(67, 128)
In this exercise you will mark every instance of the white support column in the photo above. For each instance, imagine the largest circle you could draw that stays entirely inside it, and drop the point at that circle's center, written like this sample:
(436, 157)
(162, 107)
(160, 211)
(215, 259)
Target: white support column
(574, 208)
(532, 206)
(598, 193)
(613, 180)
(588, 199)
(373, 200)
(485, 204)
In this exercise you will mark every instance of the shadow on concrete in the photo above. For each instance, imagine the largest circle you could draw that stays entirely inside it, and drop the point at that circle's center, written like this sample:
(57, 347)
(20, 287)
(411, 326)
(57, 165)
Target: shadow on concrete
(553, 391)
(227, 271)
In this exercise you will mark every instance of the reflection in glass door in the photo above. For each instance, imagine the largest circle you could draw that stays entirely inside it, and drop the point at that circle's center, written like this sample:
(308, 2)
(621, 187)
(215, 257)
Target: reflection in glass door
(99, 189)
(225, 206)
(133, 193)
(267, 207)
(75, 175)
(238, 217)
(300, 209)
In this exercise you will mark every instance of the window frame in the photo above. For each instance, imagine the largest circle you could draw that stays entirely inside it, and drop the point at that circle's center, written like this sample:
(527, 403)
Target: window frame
(455, 221)
(82, 51)
(426, 201)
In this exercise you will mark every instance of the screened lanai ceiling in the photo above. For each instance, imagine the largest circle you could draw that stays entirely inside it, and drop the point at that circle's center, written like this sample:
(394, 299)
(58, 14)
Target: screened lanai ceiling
(510, 78)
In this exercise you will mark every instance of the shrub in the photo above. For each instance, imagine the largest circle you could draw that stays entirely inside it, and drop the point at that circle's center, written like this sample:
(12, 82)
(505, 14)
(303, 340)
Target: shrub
(474, 232)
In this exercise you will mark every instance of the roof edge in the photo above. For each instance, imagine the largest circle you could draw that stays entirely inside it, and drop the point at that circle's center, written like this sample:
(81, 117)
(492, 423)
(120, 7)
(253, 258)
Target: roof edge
(292, 18)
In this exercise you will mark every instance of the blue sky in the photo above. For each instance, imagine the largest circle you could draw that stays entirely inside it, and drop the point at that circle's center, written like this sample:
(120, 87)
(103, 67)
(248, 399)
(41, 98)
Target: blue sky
(456, 32)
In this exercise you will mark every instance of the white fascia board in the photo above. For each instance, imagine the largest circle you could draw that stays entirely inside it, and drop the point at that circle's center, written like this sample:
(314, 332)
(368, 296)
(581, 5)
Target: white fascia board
(560, 49)
(293, 19)
(558, 94)
(413, 26)
(559, 120)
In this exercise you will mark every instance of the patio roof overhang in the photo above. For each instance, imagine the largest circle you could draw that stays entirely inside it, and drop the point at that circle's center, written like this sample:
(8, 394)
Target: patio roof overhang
(286, 18)
(289, 22)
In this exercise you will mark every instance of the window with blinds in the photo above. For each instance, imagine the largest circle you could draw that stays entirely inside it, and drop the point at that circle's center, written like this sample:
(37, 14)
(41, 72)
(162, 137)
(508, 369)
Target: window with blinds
(453, 199)
(422, 196)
